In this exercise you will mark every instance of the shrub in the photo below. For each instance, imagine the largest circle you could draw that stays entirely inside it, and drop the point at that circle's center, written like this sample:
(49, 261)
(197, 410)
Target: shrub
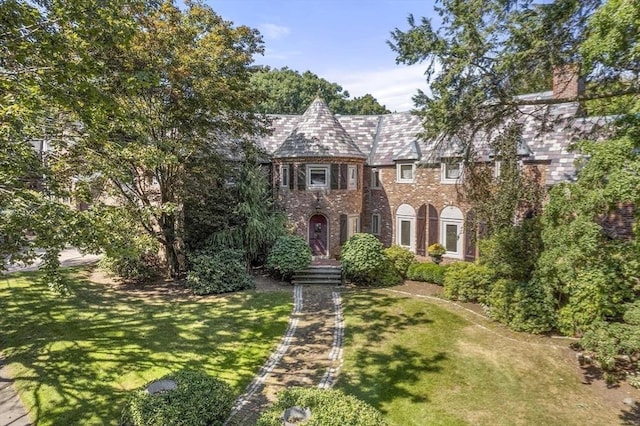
(288, 255)
(217, 272)
(401, 258)
(521, 306)
(389, 276)
(198, 399)
(363, 259)
(328, 407)
(427, 272)
(467, 282)
(132, 268)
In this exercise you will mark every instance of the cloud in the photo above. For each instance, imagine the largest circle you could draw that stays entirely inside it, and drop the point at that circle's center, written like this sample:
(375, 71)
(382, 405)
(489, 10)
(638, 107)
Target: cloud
(274, 31)
(392, 87)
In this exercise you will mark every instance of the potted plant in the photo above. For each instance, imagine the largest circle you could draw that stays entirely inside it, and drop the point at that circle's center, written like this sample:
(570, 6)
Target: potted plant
(435, 252)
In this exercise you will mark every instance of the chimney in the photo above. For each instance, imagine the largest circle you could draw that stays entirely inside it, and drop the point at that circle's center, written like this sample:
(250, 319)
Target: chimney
(567, 83)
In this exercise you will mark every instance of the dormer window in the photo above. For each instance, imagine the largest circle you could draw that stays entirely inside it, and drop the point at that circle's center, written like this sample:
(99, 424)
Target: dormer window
(450, 170)
(405, 172)
(317, 177)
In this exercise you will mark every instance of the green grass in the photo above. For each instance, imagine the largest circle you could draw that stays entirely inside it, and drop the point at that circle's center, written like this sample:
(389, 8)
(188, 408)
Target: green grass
(421, 363)
(75, 357)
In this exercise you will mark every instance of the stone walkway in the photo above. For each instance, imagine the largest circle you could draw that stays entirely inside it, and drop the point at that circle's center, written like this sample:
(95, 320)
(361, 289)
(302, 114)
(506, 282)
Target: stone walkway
(310, 353)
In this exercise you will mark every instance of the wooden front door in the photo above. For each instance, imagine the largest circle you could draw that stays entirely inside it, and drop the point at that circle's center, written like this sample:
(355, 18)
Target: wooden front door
(318, 232)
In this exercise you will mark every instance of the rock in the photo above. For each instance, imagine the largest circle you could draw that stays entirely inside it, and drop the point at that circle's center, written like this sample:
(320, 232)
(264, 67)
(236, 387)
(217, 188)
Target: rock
(161, 386)
(629, 401)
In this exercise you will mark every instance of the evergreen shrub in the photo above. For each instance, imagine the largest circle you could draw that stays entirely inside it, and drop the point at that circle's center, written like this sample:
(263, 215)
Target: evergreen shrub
(401, 258)
(136, 268)
(522, 306)
(427, 272)
(215, 272)
(328, 407)
(198, 399)
(468, 282)
(363, 259)
(288, 255)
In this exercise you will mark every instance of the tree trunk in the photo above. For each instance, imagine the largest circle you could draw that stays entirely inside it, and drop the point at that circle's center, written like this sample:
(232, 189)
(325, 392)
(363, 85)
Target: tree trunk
(173, 244)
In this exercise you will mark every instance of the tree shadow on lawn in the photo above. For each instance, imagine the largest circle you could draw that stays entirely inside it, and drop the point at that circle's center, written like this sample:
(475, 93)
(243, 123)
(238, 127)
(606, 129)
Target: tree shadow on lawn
(85, 351)
(382, 374)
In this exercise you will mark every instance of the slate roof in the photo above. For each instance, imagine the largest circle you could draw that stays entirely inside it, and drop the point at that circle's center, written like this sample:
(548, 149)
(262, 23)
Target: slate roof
(318, 133)
(386, 139)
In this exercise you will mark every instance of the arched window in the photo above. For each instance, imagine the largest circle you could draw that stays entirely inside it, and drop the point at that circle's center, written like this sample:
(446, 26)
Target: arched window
(451, 220)
(406, 227)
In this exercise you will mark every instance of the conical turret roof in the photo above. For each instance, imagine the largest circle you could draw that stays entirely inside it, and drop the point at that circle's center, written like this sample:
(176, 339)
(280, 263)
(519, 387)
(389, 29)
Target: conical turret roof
(318, 134)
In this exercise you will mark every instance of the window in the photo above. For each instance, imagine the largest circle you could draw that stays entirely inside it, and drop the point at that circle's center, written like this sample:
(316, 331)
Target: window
(450, 171)
(406, 227)
(496, 169)
(405, 173)
(451, 231)
(284, 176)
(353, 177)
(317, 177)
(375, 179)
(375, 224)
(353, 225)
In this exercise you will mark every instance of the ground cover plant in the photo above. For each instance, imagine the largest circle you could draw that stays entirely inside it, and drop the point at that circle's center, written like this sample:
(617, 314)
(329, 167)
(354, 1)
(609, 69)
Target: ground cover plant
(76, 358)
(420, 362)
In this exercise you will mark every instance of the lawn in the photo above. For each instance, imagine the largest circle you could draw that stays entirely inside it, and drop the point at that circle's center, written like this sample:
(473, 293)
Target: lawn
(75, 357)
(420, 363)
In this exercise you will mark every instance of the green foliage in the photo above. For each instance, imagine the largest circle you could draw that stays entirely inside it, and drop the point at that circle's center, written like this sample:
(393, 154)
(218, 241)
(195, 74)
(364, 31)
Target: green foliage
(512, 252)
(289, 92)
(363, 259)
(198, 399)
(135, 268)
(401, 258)
(608, 340)
(218, 270)
(328, 407)
(468, 282)
(427, 272)
(389, 276)
(289, 254)
(522, 306)
(436, 249)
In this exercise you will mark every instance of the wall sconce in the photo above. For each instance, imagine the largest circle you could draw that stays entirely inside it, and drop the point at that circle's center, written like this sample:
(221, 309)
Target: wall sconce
(318, 199)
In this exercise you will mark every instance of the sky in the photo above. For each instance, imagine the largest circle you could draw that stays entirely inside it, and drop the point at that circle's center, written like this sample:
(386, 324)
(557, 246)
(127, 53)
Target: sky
(343, 42)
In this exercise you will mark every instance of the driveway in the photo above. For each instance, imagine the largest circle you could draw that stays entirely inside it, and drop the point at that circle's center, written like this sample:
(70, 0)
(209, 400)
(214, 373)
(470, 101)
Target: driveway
(70, 256)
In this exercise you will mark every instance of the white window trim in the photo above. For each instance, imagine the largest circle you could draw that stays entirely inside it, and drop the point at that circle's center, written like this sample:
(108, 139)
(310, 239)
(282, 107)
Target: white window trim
(375, 231)
(352, 183)
(443, 172)
(496, 168)
(284, 168)
(412, 232)
(349, 219)
(399, 178)
(375, 183)
(327, 176)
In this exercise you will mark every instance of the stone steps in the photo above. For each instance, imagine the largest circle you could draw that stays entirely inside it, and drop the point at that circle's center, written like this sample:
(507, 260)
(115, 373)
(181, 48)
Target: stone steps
(325, 275)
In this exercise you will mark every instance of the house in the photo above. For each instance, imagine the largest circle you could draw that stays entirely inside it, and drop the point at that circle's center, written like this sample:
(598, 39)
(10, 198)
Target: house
(336, 175)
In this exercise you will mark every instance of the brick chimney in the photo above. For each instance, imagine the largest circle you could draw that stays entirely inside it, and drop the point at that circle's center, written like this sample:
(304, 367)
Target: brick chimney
(567, 83)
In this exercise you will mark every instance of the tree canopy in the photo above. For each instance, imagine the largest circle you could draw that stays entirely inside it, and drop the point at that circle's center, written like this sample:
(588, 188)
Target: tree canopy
(291, 92)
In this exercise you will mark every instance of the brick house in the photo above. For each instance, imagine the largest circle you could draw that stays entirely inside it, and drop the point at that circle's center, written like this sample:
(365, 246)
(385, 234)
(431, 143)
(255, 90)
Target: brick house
(337, 175)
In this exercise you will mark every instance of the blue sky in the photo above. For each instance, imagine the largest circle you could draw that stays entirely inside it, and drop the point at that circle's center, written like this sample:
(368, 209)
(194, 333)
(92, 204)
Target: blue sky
(341, 41)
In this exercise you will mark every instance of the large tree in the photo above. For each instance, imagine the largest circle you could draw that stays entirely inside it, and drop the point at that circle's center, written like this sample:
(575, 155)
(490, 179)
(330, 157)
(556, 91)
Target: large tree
(291, 92)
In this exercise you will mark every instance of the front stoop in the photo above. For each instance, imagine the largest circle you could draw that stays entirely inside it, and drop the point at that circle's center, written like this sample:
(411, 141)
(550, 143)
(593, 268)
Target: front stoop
(320, 274)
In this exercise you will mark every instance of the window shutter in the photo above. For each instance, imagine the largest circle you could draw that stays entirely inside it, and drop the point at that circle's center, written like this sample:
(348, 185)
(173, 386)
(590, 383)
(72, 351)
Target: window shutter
(421, 225)
(358, 173)
(290, 176)
(302, 176)
(343, 176)
(433, 225)
(343, 228)
(470, 237)
(335, 171)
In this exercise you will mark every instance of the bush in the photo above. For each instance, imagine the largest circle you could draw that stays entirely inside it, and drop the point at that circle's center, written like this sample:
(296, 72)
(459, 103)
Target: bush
(328, 407)
(468, 282)
(521, 306)
(389, 276)
(217, 272)
(427, 272)
(198, 399)
(401, 258)
(288, 255)
(132, 268)
(363, 259)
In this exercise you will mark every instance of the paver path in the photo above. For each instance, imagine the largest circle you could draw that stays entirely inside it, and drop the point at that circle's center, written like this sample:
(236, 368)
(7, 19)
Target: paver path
(310, 353)
(12, 412)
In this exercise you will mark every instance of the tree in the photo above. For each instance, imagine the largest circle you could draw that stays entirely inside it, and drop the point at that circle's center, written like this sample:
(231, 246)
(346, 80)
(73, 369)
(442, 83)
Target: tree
(289, 92)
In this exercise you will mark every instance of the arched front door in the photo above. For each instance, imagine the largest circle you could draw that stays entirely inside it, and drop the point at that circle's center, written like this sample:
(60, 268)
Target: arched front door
(318, 232)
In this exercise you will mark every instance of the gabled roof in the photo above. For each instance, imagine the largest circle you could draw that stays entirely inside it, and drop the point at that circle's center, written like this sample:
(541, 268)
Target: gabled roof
(318, 133)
